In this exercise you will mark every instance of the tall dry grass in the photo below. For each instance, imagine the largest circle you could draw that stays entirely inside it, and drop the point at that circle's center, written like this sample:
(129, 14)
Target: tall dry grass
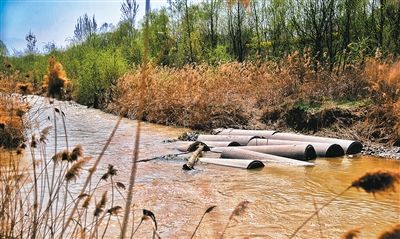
(384, 80)
(12, 107)
(236, 94)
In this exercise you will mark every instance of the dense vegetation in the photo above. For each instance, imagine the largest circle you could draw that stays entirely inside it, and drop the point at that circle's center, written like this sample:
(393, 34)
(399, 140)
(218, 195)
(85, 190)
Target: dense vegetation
(302, 52)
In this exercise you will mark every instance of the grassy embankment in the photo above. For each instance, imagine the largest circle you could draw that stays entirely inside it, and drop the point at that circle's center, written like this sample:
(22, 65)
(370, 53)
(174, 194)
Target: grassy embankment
(358, 100)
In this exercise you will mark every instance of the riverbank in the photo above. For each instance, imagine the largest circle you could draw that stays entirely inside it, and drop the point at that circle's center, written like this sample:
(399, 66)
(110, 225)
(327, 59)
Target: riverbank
(351, 102)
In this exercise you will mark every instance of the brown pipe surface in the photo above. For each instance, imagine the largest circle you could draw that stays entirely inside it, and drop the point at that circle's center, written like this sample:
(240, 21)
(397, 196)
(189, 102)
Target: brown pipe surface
(303, 152)
(236, 152)
(322, 149)
(241, 139)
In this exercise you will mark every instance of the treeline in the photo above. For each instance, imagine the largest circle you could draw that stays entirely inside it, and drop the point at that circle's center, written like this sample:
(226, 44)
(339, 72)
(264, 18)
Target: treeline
(331, 32)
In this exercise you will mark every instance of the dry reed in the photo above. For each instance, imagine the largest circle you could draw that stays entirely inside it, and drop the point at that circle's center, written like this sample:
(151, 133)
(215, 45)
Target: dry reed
(239, 209)
(351, 234)
(392, 233)
(380, 181)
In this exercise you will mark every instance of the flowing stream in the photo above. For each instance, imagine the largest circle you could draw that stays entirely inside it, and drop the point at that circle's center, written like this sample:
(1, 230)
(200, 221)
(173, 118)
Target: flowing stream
(280, 197)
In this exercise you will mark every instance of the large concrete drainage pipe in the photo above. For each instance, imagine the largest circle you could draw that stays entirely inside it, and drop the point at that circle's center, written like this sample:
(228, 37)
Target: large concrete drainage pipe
(260, 133)
(236, 152)
(191, 146)
(349, 146)
(322, 149)
(236, 163)
(241, 139)
(303, 152)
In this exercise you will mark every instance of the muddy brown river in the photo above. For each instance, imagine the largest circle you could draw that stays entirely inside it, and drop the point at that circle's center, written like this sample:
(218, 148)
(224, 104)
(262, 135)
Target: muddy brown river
(280, 197)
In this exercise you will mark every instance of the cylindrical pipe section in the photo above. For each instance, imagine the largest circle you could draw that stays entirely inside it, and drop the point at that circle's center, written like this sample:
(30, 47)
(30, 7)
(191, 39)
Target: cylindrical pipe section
(236, 163)
(236, 152)
(241, 139)
(259, 133)
(213, 144)
(322, 149)
(303, 152)
(191, 146)
(349, 146)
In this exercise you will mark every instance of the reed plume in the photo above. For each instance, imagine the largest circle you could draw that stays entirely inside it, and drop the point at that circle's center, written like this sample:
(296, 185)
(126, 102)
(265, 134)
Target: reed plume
(86, 203)
(351, 234)
(120, 185)
(110, 172)
(114, 210)
(209, 209)
(393, 233)
(44, 133)
(239, 209)
(379, 181)
(100, 206)
(76, 153)
(372, 182)
(75, 169)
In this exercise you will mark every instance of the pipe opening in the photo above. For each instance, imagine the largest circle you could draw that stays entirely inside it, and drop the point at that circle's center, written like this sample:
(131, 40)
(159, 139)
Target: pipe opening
(334, 150)
(354, 148)
(255, 164)
(194, 146)
(309, 153)
(233, 144)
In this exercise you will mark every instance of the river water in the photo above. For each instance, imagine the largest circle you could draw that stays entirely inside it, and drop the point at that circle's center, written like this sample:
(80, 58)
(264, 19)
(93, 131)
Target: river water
(280, 197)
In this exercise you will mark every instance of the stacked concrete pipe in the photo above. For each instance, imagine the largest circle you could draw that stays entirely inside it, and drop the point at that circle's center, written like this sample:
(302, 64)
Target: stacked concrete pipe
(322, 149)
(349, 146)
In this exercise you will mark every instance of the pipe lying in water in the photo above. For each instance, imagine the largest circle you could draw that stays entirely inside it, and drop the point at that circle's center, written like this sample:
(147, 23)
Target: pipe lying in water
(237, 163)
(241, 139)
(349, 146)
(192, 146)
(213, 144)
(189, 146)
(259, 133)
(303, 152)
(322, 149)
(236, 152)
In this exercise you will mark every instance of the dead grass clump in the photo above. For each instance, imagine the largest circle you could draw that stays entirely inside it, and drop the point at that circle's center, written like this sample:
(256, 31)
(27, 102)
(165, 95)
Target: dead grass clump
(191, 97)
(56, 82)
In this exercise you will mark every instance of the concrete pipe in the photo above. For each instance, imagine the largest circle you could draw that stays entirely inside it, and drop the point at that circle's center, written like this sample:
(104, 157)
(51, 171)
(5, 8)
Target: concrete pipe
(349, 146)
(303, 152)
(213, 144)
(259, 133)
(322, 149)
(236, 163)
(236, 152)
(241, 139)
(191, 146)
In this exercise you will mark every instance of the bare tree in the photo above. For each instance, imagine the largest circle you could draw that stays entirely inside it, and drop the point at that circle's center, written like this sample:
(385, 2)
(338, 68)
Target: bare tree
(31, 42)
(85, 27)
(129, 10)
